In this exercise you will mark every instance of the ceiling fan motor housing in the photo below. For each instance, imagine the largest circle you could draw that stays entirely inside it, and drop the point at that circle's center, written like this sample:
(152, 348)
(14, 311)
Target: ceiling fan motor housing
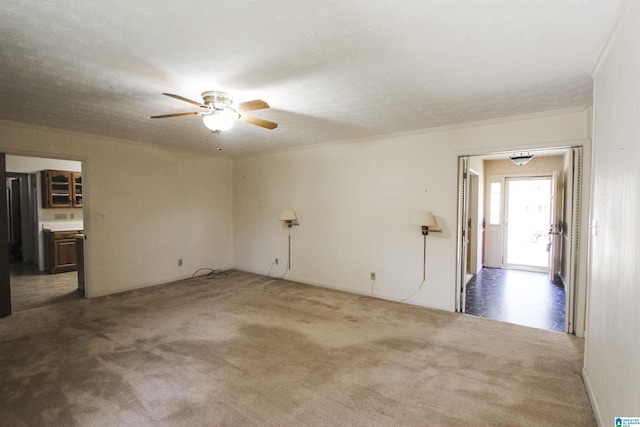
(217, 100)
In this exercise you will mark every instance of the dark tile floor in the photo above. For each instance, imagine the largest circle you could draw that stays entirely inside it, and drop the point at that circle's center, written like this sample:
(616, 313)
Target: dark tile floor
(522, 297)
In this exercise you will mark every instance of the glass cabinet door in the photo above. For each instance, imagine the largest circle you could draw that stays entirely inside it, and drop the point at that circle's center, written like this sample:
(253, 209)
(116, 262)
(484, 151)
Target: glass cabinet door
(58, 186)
(77, 189)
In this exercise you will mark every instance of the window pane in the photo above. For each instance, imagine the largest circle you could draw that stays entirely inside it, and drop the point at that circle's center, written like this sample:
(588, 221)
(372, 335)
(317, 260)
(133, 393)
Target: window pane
(494, 205)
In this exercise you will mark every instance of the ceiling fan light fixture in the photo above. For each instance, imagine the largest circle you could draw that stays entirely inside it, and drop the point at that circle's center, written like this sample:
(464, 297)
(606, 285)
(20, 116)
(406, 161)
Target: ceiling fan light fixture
(218, 113)
(218, 121)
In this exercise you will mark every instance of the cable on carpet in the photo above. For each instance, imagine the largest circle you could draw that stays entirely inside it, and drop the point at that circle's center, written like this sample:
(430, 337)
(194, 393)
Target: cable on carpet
(276, 277)
(214, 273)
(417, 290)
(366, 298)
(373, 282)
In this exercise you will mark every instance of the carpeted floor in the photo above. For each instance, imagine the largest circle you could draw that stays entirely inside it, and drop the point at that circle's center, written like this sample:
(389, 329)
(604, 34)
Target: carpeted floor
(252, 350)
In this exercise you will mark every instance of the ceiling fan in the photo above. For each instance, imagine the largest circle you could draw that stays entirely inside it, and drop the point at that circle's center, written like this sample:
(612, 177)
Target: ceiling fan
(219, 113)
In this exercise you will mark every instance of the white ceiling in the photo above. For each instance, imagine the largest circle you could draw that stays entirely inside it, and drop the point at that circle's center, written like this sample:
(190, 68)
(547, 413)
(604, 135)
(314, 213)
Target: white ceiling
(331, 70)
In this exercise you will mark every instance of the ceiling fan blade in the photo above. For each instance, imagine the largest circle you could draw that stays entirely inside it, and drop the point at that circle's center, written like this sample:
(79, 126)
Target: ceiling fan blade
(164, 116)
(199, 104)
(256, 104)
(258, 122)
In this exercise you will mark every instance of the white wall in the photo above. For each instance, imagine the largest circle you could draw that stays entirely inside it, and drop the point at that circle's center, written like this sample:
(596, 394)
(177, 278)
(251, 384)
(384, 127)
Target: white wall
(355, 201)
(541, 165)
(144, 207)
(24, 164)
(612, 353)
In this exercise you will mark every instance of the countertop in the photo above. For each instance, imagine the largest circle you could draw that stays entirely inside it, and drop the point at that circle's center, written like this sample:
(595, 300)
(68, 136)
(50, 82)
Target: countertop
(63, 226)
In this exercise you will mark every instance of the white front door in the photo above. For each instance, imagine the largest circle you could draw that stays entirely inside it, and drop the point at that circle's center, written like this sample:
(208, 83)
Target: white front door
(528, 207)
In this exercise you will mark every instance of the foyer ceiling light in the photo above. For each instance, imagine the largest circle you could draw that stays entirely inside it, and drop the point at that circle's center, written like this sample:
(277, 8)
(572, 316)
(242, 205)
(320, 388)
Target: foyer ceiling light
(521, 158)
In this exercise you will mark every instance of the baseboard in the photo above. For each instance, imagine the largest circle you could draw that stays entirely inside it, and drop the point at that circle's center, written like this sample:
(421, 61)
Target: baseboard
(592, 399)
(560, 278)
(378, 295)
(366, 293)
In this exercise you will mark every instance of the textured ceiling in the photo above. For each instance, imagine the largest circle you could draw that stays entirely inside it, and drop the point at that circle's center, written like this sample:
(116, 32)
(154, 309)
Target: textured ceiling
(331, 70)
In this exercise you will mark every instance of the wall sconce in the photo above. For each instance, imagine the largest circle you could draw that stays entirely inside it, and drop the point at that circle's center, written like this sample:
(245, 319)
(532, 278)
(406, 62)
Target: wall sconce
(427, 221)
(290, 218)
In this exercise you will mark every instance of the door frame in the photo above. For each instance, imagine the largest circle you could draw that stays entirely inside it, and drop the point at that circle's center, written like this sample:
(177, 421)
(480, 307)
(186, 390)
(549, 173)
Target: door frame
(5, 279)
(578, 232)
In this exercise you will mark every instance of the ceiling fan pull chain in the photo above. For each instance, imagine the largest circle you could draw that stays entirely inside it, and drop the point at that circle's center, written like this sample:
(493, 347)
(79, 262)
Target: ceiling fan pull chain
(217, 132)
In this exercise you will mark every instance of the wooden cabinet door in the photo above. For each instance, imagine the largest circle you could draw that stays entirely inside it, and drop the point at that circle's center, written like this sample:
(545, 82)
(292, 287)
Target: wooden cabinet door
(57, 189)
(76, 187)
(64, 255)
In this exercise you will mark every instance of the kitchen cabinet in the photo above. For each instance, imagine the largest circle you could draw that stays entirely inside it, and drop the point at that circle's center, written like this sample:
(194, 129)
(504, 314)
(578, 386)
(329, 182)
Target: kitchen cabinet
(80, 260)
(60, 253)
(61, 189)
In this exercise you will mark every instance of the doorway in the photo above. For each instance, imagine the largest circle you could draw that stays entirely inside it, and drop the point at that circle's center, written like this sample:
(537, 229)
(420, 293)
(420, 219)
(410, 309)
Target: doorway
(528, 203)
(528, 212)
(29, 283)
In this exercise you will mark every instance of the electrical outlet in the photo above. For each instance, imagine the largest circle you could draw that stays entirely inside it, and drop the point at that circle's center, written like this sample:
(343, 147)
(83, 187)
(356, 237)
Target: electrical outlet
(373, 276)
(277, 261)
(60, 216)
(179, 263)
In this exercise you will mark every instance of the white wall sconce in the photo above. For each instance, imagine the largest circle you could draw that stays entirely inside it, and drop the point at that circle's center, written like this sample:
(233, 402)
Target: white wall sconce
(290, 218)
(427, 222)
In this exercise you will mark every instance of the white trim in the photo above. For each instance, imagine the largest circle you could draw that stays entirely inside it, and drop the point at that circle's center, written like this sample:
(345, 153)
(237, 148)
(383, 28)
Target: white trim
(612, 31)
(96, 137)
(452, 127)
(532, 147)
(594, 404)
(355, 291)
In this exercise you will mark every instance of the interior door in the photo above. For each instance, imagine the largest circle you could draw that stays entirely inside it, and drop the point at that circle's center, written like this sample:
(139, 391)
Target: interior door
(463, 231)
(475, 228)
(571, 234)
(555, 229)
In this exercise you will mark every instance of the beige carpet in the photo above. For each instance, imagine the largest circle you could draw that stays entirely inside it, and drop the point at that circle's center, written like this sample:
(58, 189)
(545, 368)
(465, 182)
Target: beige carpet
(251, 350)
